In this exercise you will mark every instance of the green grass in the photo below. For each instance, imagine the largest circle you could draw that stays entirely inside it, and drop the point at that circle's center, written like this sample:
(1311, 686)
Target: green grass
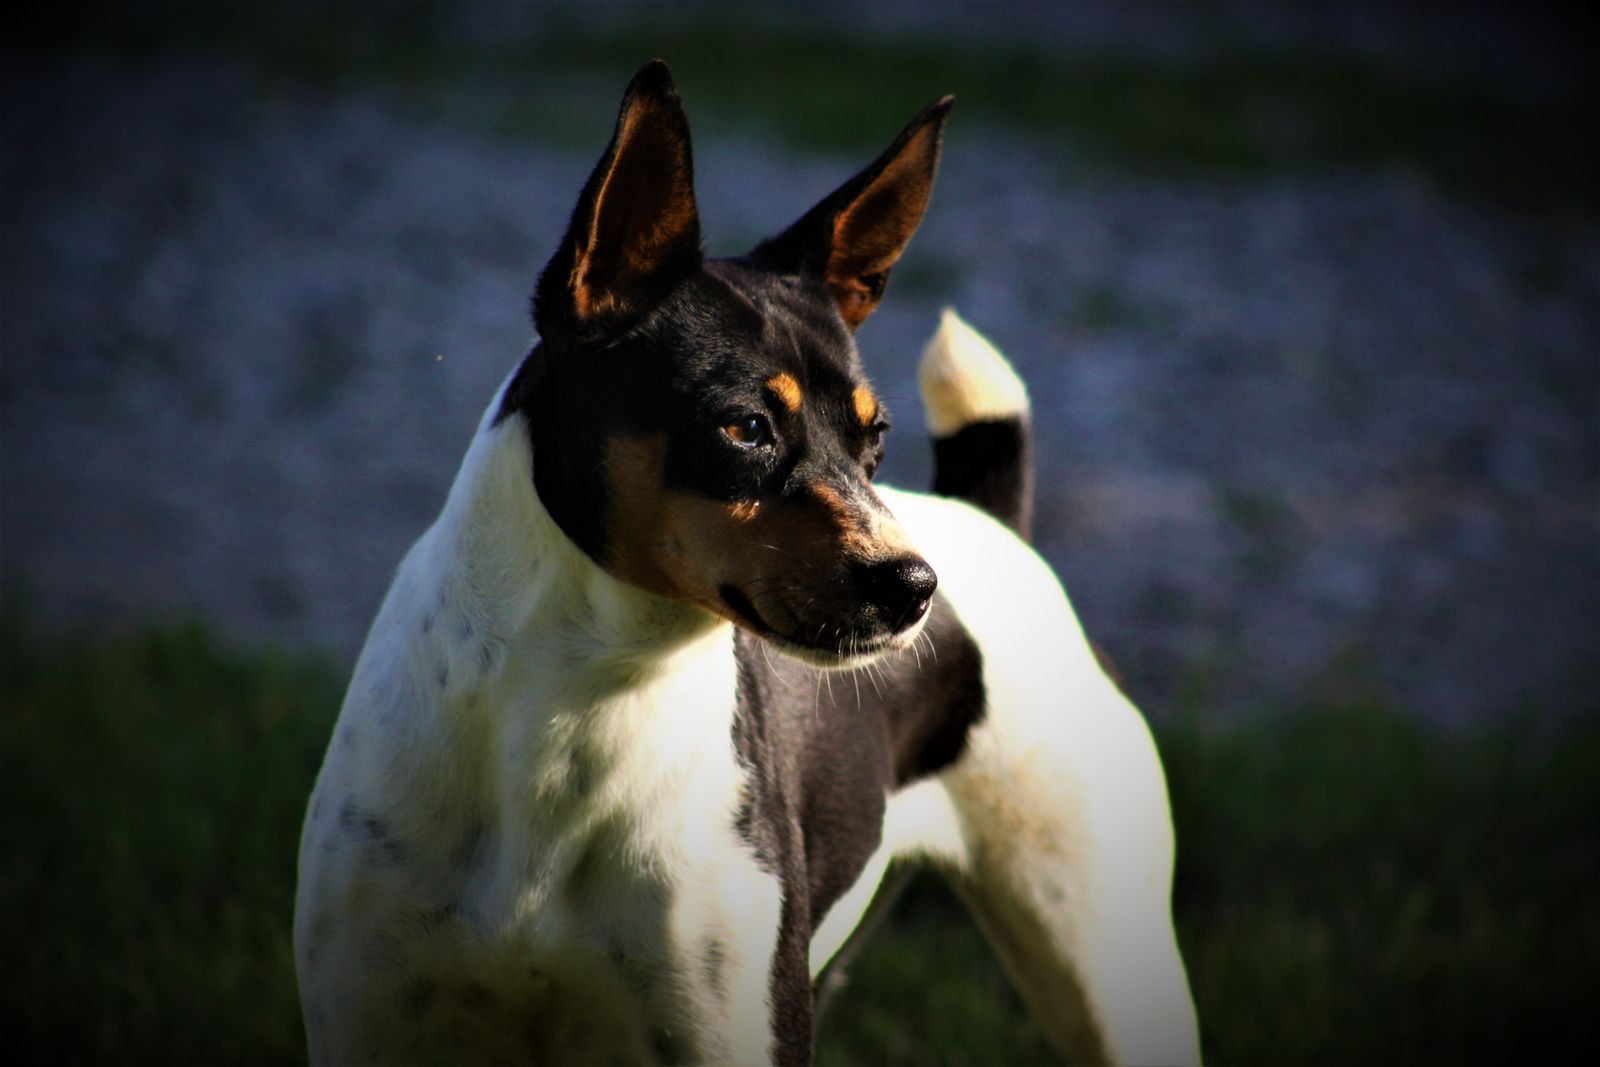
(925, 989)
(1352, 886)
(151, 790)
(1355, 887)
(1244, 113)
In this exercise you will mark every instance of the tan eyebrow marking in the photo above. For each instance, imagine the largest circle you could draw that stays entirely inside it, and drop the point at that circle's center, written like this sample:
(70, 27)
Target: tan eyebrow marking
(744, 510)
(786, 389)
(866, 405)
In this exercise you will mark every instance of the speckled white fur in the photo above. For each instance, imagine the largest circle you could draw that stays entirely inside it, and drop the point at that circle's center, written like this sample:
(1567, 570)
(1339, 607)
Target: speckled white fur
(514, 696)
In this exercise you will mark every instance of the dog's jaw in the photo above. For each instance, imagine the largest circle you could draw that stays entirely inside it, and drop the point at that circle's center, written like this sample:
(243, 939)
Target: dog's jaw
(848, 653)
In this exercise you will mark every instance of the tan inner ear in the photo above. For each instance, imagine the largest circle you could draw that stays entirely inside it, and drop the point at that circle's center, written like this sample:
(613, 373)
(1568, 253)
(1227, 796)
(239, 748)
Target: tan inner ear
(870, 234)
(644, 210)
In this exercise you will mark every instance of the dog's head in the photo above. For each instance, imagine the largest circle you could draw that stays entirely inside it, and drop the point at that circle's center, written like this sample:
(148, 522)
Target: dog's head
(703, 428)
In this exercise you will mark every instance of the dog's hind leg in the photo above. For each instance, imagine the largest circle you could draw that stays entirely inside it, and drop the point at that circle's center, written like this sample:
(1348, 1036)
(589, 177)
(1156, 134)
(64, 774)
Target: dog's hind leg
(1062, 845)
(1067, 870)
(1053, 821)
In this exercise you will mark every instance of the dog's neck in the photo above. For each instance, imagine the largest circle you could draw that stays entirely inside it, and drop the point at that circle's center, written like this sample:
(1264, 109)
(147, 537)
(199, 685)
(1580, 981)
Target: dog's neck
(508, 673)
(499, 626)
(506, 582)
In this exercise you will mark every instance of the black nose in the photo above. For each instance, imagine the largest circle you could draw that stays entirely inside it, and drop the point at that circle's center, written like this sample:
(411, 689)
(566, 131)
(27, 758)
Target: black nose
(900, 588)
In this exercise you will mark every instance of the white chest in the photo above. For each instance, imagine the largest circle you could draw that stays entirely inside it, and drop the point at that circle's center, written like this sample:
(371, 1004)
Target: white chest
(567, 853)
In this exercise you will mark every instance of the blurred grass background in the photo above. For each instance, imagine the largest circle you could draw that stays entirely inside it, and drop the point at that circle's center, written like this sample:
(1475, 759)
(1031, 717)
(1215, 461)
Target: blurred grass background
(822, 87)
(1352, 886)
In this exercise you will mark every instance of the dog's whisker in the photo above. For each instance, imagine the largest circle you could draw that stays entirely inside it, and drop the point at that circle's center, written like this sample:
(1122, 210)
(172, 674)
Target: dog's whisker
(797, 557)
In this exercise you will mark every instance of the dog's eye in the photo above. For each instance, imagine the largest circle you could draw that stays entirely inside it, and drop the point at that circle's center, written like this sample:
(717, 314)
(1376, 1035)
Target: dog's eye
(875, 434)
(752, 431)
(874, 450)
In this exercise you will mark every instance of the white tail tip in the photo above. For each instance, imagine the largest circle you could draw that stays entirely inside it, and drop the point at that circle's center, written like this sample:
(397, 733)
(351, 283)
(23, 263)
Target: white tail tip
(965, 379)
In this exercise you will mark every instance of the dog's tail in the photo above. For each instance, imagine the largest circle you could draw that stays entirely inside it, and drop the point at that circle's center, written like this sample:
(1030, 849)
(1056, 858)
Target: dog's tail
(978, 417)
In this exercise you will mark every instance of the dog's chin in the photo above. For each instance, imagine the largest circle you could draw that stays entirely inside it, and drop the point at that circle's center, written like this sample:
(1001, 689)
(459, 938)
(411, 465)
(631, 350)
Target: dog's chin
(853, 652)
(854, 646)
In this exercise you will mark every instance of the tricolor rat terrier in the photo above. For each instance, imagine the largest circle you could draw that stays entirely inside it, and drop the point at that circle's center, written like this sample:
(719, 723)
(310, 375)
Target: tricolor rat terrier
(599, 792)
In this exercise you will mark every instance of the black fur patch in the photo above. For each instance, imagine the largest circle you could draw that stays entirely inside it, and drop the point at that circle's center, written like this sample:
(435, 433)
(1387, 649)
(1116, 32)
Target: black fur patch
(768, 822)
(714, 957)
(416, 997)
(932, 707)
(741, 606)
(823, 750)
(986, 463)
(697, 361)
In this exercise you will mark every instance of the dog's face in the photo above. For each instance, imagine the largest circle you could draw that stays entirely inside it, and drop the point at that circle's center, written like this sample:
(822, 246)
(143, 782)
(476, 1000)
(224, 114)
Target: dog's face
(704, 429)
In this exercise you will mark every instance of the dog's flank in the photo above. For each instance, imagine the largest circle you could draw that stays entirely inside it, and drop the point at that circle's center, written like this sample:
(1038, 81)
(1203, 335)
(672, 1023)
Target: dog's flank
(652, 705)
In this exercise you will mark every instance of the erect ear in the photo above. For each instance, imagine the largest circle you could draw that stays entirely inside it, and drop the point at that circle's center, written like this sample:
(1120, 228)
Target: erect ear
(858, 231)
(635, 232)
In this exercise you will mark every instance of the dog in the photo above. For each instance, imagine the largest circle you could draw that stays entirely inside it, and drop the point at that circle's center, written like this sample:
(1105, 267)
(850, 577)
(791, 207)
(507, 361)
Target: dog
(651, 707)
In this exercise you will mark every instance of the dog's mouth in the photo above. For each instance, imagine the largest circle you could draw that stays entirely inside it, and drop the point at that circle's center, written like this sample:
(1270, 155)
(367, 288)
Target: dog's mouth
(845, 635)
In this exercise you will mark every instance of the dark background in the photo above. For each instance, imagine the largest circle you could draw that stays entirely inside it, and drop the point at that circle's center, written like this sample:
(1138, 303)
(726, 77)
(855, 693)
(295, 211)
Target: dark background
(1307, 297)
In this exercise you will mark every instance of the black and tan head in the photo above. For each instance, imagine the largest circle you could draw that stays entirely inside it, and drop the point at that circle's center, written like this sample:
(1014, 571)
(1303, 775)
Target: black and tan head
(703, 428)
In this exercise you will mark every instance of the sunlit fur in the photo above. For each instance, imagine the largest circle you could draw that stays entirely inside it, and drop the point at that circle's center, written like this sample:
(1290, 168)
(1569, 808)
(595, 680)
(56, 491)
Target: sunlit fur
(965, 379)
(1055, 821)
(1061, 836)
(503, 666)
(575, 732)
